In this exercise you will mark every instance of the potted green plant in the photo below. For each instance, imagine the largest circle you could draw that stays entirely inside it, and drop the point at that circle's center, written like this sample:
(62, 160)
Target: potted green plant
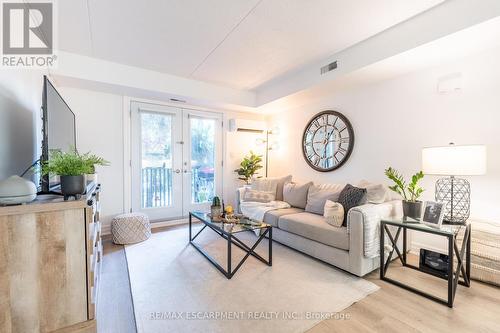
(71, 167)
(410, 192)
(249, 167)
(92, 161)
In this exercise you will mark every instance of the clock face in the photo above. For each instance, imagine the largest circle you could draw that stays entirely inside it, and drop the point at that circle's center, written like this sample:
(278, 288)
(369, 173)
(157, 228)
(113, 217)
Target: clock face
(328, 141)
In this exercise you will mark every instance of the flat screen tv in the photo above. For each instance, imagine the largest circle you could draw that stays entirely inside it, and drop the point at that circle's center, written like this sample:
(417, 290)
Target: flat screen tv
(58, 128)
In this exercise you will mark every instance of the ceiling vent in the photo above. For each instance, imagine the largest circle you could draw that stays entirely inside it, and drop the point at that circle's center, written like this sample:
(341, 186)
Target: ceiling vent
(328, 68)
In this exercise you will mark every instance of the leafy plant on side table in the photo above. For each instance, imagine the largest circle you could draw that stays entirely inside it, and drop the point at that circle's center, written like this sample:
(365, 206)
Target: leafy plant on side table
(412, 207)
(72, 167)
(249, 167)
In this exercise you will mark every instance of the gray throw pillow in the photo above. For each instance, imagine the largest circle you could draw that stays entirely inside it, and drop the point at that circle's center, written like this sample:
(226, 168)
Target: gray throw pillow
(296, 194)
(281, 183)
(318, 195)
(351, 196)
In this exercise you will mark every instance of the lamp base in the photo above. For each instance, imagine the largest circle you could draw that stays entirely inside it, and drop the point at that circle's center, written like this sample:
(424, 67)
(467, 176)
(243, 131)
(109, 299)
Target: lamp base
(454, 193)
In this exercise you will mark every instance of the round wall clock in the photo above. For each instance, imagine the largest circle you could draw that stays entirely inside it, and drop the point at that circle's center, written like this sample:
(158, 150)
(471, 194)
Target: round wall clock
(327, 141)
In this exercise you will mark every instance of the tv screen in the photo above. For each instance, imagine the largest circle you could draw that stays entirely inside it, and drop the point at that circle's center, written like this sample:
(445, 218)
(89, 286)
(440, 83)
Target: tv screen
(59, 132)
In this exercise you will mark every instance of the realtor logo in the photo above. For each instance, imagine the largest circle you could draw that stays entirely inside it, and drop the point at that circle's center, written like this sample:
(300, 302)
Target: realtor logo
(27, 29)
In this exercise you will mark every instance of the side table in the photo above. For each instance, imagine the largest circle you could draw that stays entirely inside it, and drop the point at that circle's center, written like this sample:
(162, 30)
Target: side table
(450, 232)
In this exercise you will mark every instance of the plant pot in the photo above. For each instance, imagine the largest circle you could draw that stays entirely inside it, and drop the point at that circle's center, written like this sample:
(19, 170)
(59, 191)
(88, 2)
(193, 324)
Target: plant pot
(73, 185)
(92, 177)
(412, 209)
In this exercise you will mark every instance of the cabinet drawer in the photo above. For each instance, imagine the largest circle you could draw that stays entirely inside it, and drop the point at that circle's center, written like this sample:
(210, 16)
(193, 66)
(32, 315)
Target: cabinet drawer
(95, 234)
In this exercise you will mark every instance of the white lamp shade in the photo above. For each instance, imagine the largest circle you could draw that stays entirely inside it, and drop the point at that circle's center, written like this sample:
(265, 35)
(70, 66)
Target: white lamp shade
(467, 160)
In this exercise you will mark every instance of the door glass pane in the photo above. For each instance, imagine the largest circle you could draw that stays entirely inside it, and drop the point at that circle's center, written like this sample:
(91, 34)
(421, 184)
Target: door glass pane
(156, 163)
(202, 159)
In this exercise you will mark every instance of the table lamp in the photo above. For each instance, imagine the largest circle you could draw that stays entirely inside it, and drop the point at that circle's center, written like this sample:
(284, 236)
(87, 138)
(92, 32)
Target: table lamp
(452, 161)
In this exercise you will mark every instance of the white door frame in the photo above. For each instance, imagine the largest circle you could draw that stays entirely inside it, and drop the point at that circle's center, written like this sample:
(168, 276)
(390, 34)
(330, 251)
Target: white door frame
(175, 209)
(127, 146)
(218, 165)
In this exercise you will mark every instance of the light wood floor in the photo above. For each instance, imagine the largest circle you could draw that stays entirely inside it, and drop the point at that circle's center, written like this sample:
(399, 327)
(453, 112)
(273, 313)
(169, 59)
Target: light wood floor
(391, 309)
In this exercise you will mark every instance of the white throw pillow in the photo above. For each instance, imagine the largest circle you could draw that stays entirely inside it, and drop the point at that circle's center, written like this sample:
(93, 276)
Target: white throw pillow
(258, 196)
(334, 213)
(375, 193)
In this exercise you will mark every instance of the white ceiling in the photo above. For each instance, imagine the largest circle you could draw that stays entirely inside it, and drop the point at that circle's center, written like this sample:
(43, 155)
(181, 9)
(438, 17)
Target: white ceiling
(238, 43)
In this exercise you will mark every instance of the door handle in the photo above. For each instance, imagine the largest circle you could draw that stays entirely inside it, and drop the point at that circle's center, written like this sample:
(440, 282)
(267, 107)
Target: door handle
(177, 171)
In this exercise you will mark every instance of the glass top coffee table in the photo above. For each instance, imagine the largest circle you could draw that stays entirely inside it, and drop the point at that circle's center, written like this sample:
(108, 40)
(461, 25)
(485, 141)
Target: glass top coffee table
(228, 231)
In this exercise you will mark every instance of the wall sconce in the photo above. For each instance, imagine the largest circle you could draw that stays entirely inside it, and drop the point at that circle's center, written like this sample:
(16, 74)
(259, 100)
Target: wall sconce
(273, 146)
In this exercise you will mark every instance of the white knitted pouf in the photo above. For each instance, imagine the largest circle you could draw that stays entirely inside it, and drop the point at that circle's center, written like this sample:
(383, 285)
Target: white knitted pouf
(130, 228)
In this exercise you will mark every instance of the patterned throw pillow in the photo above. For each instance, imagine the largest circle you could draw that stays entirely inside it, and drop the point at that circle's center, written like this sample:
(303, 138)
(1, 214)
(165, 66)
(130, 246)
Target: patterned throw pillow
(334, 213)
(258, 196)
(351, 196)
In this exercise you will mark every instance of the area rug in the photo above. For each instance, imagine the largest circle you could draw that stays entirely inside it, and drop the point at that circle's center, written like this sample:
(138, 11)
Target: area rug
(176, 289)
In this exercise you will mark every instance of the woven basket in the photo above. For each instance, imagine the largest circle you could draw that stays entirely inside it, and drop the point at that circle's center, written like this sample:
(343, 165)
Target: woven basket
(130, 228)
(485, 252)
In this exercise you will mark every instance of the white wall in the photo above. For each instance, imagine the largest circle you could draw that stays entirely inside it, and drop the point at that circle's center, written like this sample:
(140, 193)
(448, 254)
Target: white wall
(239, 144)
(394, 119)
(99, 129)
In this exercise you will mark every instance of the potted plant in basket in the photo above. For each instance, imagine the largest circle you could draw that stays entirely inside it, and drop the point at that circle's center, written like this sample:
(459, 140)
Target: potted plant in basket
(410, 192)
(71, 167)
(249, 167)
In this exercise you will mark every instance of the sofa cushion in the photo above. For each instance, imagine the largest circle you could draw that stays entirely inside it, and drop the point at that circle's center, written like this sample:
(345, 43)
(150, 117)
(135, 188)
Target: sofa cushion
(318, 194)
(334, 213)
(264, 185)
(271, 217)
(272, 184)
(281, 183)
(296, 194)
(314, 227)
(375, 193)
(351, 196)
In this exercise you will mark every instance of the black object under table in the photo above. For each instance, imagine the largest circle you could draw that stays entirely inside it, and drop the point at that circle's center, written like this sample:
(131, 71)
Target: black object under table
(228, 231)
(450, 232)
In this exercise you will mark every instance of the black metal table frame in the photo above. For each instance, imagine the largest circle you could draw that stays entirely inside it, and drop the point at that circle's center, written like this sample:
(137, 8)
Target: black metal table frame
(453, 276)
(232, 239)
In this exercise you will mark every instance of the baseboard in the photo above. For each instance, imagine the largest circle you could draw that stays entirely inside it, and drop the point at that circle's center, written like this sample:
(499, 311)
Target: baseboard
(106, 229)
(416, 246)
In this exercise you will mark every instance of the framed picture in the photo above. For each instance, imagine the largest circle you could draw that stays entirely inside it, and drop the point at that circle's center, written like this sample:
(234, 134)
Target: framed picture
(433, 214)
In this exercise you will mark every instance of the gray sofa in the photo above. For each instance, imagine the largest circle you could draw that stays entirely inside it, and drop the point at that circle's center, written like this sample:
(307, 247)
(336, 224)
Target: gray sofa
(342, 247)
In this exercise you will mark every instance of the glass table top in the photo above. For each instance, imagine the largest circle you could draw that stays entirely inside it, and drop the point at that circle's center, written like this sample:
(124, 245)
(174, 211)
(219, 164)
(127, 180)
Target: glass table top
(445, 229)
(244, 223)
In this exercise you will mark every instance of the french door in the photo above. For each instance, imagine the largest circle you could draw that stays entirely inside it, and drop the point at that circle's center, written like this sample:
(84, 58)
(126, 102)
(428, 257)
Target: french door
(176, 160)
